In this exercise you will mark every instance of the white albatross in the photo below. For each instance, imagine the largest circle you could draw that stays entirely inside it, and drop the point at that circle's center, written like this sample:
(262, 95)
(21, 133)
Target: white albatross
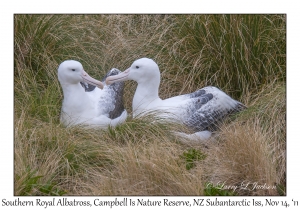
(87, 101)
(201, 110)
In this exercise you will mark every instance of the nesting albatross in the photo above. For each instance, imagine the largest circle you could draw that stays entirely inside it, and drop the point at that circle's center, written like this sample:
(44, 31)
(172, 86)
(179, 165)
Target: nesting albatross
(201, 110)
(86, 100)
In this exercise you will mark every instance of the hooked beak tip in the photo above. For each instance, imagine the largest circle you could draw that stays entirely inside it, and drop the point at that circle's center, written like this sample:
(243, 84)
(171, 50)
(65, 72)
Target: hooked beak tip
(108, 82)
(100, 85)
(117, 78)
(88, 79)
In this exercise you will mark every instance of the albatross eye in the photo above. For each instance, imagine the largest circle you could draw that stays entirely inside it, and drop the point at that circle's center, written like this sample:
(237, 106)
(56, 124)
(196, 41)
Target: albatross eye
(137, 67)
(73, 69)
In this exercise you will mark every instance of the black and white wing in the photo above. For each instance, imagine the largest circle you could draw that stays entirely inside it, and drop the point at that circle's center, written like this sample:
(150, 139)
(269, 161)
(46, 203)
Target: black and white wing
(210, 106)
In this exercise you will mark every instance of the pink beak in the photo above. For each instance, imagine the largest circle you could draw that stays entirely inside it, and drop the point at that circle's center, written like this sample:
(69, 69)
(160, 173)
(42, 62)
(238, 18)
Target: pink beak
(117, 78)
(90, 80)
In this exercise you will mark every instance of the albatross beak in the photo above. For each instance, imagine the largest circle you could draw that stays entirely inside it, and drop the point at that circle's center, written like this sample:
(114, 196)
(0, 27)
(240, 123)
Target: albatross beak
(117, 78)
(90, 80)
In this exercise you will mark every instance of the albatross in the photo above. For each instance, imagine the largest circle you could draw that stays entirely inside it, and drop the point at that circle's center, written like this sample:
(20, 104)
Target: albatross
(201, 110)
(88, 101)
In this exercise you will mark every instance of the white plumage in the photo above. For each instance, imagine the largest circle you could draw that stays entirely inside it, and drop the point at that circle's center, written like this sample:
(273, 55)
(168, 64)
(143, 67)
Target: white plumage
(201, 110)
(86, 101)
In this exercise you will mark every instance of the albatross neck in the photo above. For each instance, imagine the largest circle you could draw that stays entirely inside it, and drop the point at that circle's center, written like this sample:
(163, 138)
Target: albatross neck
(74, 94)
(76, 103)
(146, 92)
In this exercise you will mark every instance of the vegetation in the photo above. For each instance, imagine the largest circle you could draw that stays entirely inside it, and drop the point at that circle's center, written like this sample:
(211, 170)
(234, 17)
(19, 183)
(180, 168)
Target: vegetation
(217, 190)
(244, 55)
(191, 156)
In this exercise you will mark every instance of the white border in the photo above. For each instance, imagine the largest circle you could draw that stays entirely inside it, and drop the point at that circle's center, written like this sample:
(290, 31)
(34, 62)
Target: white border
(153, 6)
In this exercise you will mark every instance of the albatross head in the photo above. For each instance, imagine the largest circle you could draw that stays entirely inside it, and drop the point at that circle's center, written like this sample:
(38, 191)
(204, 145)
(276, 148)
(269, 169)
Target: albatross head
(142, 70)
(72, 72)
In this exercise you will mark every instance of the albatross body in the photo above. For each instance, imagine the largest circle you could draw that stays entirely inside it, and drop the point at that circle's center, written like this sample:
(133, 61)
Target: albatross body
(201, 110)
(86, 100)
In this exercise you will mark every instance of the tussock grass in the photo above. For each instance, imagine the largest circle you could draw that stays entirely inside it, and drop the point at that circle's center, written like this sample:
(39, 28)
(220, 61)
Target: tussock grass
(234, 52)
(244, 158)
(150, 169)
(253, 148)
(244, 55)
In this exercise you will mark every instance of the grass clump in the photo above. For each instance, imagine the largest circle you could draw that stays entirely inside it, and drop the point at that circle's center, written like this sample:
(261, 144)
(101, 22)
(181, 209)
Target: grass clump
(29, 185)
(244, 55)
(233, 52)
(253, 148)
(191, 156)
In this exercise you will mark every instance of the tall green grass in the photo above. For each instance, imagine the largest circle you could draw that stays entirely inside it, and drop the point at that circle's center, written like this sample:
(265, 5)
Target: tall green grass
(244, 55)
(233, 52)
